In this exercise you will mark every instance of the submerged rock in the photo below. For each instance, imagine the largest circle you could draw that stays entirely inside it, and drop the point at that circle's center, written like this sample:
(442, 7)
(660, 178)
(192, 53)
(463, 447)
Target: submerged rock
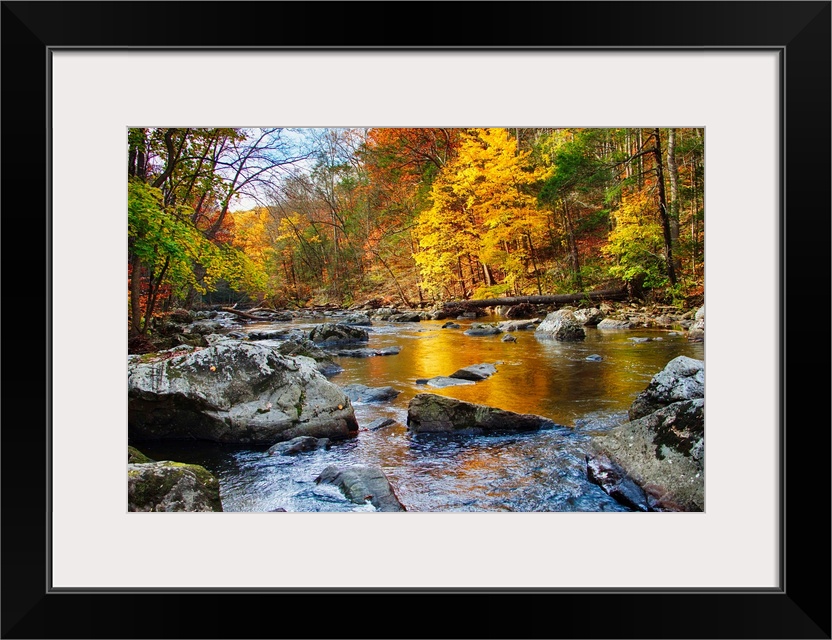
(366, 353)
(363, 393)
(236, 393)
(440, 382)
(450, 325)
(475, 372)
(481, 329)
(683, 378)
(301, 444)
(561, 325)
(508, 338)
(362, 484)
(429, 412)
(380, 423)
(171, 486)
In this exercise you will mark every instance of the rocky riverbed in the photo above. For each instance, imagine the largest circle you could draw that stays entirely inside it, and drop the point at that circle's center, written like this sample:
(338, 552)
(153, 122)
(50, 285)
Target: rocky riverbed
(297, 397)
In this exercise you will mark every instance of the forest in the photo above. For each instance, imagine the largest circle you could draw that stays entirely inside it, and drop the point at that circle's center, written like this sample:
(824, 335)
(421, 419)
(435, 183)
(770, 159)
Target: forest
(287, 218)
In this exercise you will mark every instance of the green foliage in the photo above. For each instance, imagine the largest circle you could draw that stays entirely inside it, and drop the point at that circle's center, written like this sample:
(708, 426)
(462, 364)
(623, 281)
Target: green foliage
(636, 243)
(166, 242)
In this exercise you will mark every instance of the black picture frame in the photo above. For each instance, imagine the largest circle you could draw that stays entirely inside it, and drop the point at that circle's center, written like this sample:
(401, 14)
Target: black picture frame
(800, 608)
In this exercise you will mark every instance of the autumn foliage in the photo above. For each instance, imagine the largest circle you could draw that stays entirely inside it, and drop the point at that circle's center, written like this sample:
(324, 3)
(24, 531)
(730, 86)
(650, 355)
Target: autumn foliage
(411, 214)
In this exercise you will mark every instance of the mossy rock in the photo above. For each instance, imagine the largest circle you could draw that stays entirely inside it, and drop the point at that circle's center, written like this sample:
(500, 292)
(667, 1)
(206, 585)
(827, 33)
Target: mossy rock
(134, 456)
(171, 486)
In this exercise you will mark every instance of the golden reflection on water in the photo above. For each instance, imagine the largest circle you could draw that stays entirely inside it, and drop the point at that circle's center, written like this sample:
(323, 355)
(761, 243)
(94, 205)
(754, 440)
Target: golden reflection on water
(534, 375)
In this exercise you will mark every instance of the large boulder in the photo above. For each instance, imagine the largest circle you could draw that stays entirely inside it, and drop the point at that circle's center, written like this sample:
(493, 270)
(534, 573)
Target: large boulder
(332, 333)
(305, 347)
(362, 484)
(171, 486)
(561, 325)
(430, 413)
(663, 453)
(235, 393)
(683, 378)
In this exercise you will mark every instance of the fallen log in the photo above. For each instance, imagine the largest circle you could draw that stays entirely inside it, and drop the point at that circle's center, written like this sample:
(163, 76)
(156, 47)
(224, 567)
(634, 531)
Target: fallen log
(608, 294)
(243, 314)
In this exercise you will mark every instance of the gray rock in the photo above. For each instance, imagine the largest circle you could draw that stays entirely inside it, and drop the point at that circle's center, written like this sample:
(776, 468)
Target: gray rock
(663, 453)
(366, 353)
(613, 323)
(519, 325)
(329, 333)
(639, 340)
(301, 444)
(271, 334)
(589, 317)
(480, 329)
(414, 316)
(361, 484)
(380, 423)
(217, 338)
(171, 486)
(236, 393)
(363, 393)
(594, 358)
(302, 347)
(441, 382)
(475, 372)
(508, 338)
(450, 325)
(616, 483)
(429, 412)
(134, 456)
(562, 326)
(357, 320)
(682, 378)
(696, 331)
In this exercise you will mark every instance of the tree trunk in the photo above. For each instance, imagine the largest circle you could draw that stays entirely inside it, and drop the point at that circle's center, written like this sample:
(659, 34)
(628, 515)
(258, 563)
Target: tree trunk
(663, 213)
(135, 295)
(673, 175)
(573, 246)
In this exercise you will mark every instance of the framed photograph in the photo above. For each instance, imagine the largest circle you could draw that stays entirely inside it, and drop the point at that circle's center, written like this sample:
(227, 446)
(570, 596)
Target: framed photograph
(750, 80)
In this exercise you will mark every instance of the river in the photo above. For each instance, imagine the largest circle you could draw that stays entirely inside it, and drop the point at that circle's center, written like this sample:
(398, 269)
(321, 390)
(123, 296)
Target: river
(538, 471)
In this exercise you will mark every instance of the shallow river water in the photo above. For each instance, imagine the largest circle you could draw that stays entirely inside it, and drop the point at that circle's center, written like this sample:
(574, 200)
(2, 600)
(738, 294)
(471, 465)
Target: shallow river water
(537, 471)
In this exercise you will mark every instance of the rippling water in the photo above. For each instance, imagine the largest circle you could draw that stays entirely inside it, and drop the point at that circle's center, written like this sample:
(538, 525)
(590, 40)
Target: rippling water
(538, 471)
